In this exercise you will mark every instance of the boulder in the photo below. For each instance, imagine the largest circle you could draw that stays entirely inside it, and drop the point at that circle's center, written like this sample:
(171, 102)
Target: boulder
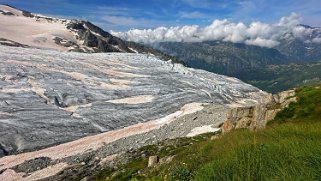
(152, 161)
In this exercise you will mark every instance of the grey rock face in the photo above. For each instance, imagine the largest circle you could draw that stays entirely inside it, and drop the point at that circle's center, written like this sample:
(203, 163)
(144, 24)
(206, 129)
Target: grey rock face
(49, 97)
(96, 38)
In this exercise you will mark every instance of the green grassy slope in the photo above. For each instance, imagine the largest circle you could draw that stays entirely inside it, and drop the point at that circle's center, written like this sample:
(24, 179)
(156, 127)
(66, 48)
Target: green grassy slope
(288, 149)
(276, 78)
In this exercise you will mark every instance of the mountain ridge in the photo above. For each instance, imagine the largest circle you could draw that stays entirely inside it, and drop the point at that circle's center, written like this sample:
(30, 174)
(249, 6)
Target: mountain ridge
(68, 35)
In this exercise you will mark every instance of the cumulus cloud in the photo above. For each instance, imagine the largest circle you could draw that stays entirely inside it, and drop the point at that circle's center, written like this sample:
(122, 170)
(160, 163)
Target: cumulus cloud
(255, 33)
(301, 32)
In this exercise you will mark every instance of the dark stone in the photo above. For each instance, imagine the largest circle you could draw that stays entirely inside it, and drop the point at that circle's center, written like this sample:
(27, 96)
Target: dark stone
(7, 42)
(65, 43)
(90, 40)
(1, 171)
(3, 151)
(75, 26)
(6, 13)
(57, 102)
(27, 14)
(33, 165)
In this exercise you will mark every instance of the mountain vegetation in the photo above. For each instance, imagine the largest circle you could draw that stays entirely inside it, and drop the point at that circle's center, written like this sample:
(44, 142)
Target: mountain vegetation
(276, 78)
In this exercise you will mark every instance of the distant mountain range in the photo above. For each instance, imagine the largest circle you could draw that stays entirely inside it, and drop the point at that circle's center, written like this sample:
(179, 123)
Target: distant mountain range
(222, 57)
(235, 58)
(25, 29)
(253, 63)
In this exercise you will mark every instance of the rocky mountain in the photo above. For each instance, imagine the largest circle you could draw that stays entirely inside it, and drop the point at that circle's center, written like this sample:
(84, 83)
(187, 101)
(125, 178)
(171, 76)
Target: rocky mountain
(64, 109)
(24, 29)
(302, 49)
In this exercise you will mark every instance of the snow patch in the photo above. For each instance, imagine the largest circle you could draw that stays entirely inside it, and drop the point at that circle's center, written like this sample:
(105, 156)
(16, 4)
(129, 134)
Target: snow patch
(133, 50)
(186, 109)
(133, 100)
(34, 32)
(202, 130)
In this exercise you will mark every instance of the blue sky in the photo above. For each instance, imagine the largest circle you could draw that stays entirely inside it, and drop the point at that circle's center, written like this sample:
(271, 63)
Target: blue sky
(122, 15)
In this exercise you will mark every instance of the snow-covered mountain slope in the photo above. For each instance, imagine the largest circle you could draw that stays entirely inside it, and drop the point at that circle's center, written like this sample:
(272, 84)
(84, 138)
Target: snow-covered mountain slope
(25, 29)
(34, 30)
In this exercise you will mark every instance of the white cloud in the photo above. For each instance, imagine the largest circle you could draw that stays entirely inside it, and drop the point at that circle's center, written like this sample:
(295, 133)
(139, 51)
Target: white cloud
(290, 21)
(301, 32)
(262, 42)
(256, 33)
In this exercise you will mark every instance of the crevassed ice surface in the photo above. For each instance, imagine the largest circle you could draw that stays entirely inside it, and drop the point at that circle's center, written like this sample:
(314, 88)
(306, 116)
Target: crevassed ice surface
(49, 97)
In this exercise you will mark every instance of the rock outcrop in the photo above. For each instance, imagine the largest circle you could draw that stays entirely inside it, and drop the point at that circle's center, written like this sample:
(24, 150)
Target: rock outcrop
(256, 116)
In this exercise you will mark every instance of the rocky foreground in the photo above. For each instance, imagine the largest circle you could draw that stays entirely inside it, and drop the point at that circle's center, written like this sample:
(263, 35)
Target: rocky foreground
(61, 109)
